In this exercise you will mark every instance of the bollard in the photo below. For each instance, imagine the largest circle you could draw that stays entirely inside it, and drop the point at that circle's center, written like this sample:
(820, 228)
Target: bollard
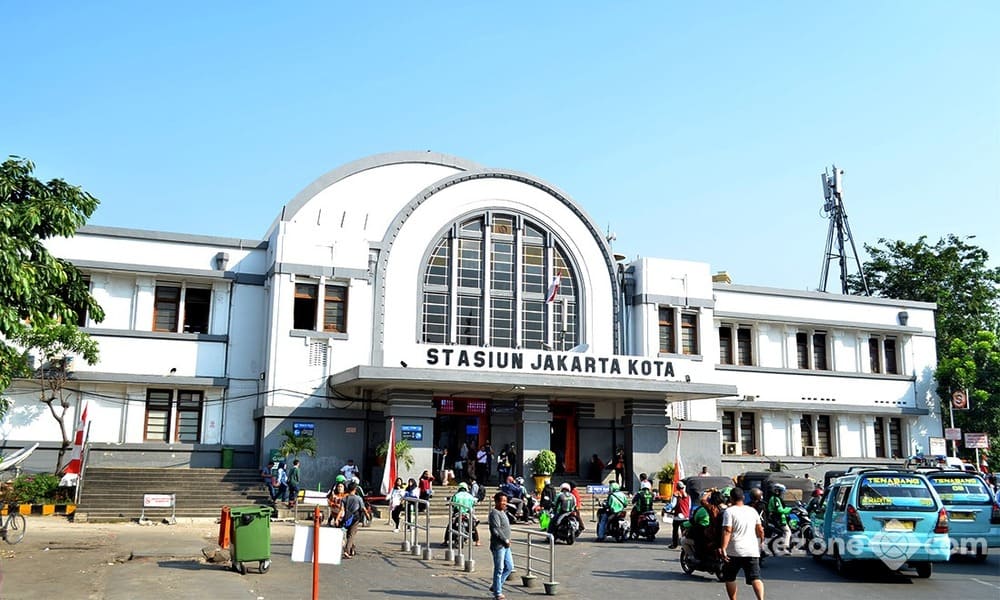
(449, 554)
(550, 587)
(459, 560)
(406, 545)
(225, 523)
(470, 566)
(428, 554)
(415, 550)
(528, 580)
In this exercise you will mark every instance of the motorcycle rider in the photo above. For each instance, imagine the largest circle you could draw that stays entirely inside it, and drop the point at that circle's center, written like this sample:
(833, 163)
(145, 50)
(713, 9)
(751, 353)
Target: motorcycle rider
(514, 496)
(563, 505)
(705, 524)
(616, 503)
(777, 514)
(642, 502)
(465, 503)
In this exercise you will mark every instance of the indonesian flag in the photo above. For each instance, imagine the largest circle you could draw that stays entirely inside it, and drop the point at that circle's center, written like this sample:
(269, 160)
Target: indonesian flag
(71, 473)
(389, 474)
(678, 464)
(554, 287)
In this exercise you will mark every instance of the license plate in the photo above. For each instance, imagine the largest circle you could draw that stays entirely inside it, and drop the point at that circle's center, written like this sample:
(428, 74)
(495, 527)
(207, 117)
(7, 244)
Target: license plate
(963, 516)
(898, 526)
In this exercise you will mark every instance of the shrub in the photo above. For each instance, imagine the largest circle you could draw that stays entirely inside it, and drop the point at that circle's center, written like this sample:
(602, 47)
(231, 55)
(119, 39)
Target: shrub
(544, 463)
(35, 488)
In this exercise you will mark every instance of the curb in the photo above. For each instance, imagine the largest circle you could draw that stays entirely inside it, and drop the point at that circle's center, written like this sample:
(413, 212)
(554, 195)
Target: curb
(42, 509)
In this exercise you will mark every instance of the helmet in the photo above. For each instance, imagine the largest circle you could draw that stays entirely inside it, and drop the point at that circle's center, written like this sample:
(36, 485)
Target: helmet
(340, 479)
(463, 486)
(615, 487)
(716, 498)
(519, 480)
(646, 485)
(680, 485)
(778, 489)
(565, 486)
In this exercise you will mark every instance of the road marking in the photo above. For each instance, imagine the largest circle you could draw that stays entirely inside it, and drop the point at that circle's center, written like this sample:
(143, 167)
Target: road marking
(985, 582)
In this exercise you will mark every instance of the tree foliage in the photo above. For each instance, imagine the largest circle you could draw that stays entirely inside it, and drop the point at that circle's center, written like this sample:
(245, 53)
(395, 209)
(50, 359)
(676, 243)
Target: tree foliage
(956, 276)
(293, 445)
(37, 290)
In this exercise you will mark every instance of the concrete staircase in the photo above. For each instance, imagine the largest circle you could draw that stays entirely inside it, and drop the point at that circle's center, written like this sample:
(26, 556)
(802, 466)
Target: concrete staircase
(439, 505)
(116, 494)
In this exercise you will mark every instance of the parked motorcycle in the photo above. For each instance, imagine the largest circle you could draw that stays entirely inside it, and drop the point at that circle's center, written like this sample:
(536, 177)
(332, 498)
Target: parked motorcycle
(566, 529)
(691, 561)
(647, 526)
(617, 526)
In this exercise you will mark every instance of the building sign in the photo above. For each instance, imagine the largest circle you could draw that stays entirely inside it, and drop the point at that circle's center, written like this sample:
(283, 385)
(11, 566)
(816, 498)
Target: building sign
(598, 489)
(977, 440)
(303, 429)
(952, 433)
(938, 446)
(535, 361)
(411, 432)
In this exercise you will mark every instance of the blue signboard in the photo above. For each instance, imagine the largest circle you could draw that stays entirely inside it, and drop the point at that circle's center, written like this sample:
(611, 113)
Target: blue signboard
(598, 489)
(303, 429)
(412, 432)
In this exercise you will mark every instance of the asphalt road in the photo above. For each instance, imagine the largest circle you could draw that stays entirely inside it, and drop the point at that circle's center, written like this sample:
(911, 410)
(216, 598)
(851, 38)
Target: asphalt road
(73, 561)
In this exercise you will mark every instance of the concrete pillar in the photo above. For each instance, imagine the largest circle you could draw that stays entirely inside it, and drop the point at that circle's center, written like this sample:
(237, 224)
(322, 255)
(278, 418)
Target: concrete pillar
(413, 408)
(645, 439)
(534, 431)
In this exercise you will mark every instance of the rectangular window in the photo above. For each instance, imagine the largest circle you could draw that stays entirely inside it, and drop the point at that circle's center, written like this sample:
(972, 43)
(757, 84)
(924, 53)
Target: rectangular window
(533, 324)
(802, 350)
(895, 438)
(725, 344)
(470, 264)
(744, 346)
(533, 270)
(806, 435)
(157, 427)
(436, 318)
(335, 309)
(891, 365)
(306, 301)
(748, 433)
(879, 437)
(166, 308)
(470, 317)
(189, 417)
(502, 323)
(667, 343)
(819, 351)
(874, 357)
(823, 436)
(689, 333)
(502, 267)
(81, 319)
(729, 432)
(564, 324)
(197, 308)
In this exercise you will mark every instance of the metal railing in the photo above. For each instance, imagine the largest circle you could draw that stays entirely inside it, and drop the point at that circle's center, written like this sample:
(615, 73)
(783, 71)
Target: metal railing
(542, 553)
(460, 538)
(411, 528)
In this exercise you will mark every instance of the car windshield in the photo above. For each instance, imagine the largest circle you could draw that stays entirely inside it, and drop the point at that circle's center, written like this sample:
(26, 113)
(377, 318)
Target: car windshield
(960, 489)
(895, 492)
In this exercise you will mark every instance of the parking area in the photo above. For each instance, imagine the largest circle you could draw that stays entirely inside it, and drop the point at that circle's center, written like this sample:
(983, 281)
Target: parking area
(71, 561)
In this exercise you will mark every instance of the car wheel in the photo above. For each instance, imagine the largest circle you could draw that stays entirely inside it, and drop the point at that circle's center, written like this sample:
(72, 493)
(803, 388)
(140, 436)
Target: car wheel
(924, 570)
(841, 565)
(981, 554)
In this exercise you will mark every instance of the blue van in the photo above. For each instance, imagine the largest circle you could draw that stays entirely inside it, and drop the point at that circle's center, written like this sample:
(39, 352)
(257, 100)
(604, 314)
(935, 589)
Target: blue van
(891, 516)
(973, 515)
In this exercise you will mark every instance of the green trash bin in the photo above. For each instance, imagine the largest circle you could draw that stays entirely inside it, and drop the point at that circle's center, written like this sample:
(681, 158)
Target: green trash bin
(250, 536)
(227, 458)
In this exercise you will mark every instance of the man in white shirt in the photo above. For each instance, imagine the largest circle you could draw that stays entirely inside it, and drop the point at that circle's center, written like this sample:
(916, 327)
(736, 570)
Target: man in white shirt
(349, 470)
(742, 534)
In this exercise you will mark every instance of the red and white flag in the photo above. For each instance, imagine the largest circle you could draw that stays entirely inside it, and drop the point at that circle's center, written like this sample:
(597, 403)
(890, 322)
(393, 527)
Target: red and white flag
(389, 474)
(554, 287)
(678, 464)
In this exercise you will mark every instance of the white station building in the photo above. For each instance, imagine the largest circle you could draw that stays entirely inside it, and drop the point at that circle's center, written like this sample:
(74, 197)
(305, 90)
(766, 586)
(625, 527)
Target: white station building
(419, 286)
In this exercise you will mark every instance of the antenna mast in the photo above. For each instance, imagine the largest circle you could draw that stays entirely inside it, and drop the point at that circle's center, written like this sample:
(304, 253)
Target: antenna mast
(840, 231)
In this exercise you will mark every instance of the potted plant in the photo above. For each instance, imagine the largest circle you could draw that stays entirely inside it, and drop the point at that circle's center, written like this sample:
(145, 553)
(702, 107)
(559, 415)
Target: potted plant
(542, 467)
(404, 452)
(665, 476)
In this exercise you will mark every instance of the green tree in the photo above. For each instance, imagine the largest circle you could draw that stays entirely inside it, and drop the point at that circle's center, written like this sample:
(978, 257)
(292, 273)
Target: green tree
(294, 445)
(55, 345)
(974, 367)
(37, 289)
(956, 276)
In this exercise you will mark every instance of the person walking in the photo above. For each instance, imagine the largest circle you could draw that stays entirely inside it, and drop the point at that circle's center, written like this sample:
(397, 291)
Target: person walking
(681, 511)
(267, 474)
(293, 483)
(482, 464)
(396, 502)
(281, 493)
(617, 462)
(426, 485)
(742, 535)
(352, 512)
(503, 562)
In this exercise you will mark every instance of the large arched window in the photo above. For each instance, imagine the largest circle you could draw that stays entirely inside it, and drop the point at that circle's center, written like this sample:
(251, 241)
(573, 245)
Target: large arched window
(488, 282)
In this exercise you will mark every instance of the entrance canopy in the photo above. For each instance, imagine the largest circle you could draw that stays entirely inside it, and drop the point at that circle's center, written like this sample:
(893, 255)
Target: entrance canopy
(360, 379)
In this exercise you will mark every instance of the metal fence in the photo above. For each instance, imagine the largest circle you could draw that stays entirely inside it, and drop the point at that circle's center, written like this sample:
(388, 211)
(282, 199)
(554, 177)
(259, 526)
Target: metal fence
(538, 556)
(459, 539)
(411, 528)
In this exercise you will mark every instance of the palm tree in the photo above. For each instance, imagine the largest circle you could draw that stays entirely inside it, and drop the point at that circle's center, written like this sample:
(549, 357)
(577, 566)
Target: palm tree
(293, 445)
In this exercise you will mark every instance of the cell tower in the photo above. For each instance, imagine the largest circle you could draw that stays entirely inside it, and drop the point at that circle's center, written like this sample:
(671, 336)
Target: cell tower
(840, 231)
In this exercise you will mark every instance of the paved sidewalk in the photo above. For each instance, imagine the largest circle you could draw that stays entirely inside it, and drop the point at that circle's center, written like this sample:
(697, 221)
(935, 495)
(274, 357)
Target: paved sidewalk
(59, 559)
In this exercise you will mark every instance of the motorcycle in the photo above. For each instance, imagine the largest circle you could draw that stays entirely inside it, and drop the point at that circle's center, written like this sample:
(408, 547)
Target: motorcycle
(566, 528)
(800, 522)
(691, 561)
(617, 526)
(647, 526)
(459, 522)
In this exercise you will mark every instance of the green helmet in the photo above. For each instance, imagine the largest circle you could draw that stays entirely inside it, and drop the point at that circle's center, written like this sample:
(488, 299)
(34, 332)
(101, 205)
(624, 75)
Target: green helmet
(615, 487)
(340, 479)
(463, 486)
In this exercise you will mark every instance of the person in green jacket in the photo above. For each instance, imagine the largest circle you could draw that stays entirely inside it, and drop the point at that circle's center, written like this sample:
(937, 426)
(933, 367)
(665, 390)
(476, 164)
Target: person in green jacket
(466, 502)
(777, 514)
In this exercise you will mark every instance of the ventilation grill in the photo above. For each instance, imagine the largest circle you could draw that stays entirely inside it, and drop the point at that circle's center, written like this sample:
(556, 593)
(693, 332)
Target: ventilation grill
(317, 354)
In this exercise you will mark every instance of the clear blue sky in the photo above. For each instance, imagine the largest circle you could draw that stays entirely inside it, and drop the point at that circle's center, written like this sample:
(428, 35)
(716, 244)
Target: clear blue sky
(696, 131)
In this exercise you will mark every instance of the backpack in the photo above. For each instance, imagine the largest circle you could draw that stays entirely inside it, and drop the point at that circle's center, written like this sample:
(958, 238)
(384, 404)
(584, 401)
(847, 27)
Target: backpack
(481, 493)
